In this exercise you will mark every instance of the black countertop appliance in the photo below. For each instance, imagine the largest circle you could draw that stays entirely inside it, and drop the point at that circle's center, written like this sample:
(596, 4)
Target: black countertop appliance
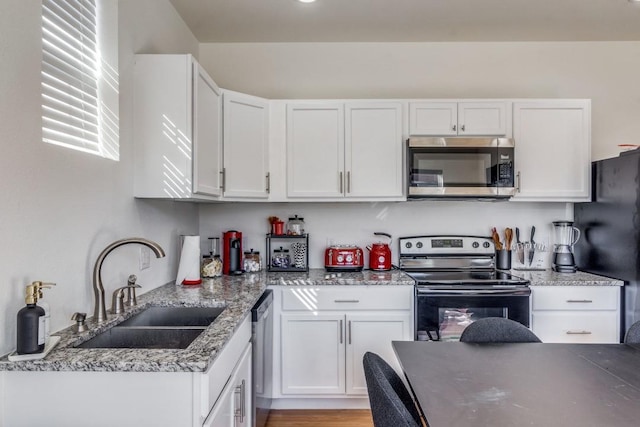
(610, 226)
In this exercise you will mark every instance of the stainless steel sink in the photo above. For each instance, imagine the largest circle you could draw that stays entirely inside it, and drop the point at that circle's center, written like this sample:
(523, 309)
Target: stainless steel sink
(158, 328)
(174, 316)
(156, 338)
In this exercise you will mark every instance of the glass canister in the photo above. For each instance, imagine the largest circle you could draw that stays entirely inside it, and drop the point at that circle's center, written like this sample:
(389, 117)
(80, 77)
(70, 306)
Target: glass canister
(212, 264)
(281, 258)
(295, 226)
(252, 261)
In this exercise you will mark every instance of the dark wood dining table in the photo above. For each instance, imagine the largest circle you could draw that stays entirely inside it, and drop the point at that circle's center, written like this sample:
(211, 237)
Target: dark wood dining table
(459, 384)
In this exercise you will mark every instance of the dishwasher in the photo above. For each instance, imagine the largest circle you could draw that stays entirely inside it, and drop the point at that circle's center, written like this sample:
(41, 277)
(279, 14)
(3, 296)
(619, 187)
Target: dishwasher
(262, 343)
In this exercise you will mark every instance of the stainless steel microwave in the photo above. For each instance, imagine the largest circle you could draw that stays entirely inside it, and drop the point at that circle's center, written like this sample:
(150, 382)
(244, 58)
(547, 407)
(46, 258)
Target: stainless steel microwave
(460, 167)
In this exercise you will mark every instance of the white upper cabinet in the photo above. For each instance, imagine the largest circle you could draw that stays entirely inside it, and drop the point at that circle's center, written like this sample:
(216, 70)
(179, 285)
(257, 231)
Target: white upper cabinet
(246, 142)
(177, 129)
(463, 118)
(337, 150)
(552, 150)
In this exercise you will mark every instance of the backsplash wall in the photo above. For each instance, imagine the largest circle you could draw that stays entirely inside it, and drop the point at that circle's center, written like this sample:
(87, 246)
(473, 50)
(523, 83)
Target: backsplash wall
(355, 223)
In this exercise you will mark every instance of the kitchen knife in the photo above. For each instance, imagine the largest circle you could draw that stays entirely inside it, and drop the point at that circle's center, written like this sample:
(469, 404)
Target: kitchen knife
(519, 247)
(532, 251)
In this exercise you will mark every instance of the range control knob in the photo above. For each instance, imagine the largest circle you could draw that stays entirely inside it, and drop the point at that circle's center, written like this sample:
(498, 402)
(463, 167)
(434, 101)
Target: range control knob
(486, 245)
(419, 245)
(408, 245)
(475, 245)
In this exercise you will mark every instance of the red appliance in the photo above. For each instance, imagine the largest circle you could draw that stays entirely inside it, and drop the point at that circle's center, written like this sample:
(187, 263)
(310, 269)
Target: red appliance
(380, 255)
(343, 258)
(232, 252)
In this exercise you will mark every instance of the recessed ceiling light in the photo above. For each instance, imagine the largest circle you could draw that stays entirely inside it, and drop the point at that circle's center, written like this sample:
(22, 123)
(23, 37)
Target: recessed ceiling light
(311, 1)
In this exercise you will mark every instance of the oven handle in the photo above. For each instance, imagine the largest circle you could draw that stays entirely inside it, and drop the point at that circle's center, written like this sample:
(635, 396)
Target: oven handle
(446, 292)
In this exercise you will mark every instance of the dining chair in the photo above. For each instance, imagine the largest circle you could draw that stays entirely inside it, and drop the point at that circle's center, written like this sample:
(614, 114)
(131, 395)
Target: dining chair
(633, 334)
(497, 329)
(391, 403)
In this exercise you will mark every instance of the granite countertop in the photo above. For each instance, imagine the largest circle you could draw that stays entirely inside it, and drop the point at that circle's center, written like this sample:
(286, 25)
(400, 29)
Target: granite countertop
(552, 278)
(237, 293)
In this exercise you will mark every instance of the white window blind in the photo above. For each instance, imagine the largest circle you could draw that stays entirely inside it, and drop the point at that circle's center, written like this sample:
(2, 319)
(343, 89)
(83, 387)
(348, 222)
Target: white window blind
(74, 113)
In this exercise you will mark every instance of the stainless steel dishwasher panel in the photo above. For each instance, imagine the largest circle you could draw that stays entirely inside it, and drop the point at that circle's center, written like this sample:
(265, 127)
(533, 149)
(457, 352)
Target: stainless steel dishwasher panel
(262, 343)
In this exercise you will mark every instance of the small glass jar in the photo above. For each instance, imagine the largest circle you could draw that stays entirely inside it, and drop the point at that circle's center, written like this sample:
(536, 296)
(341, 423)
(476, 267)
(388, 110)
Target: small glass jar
(252, 261)
(281, 258)
(295, 226)
(211, 266)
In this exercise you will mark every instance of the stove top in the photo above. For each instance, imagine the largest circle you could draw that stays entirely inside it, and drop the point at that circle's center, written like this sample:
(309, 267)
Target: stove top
(467, 278)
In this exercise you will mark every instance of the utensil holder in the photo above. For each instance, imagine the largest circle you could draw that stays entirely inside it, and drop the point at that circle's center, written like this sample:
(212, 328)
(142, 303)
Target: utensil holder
(503, 260)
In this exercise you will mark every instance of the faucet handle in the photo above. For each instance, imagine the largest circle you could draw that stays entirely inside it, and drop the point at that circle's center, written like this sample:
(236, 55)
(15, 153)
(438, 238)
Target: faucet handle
(117, 301)
(131, 300)
(80, 326)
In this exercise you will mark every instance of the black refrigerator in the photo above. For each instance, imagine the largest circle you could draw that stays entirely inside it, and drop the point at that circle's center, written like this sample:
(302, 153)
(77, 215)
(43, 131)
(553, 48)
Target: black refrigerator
(610, 225)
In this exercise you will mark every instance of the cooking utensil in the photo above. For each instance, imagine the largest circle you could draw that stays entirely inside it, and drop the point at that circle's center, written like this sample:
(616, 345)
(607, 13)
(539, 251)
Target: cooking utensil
(508, 236)
(519, 247)
(532, 250)
(496, 239)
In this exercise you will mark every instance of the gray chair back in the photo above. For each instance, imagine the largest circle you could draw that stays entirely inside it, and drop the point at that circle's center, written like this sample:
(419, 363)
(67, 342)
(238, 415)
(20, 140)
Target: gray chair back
(391, 403)
(497, 329)
(633, 334)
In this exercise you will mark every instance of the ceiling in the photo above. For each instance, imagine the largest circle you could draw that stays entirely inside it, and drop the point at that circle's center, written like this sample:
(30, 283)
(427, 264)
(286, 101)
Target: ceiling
(410, 20)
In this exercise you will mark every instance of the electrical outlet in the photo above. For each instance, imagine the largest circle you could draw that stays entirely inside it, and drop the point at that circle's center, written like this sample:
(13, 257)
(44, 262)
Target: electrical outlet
(145, 258)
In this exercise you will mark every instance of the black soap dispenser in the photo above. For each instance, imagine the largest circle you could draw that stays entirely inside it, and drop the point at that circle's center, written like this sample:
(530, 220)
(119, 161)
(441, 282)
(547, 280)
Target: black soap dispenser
(31, 328)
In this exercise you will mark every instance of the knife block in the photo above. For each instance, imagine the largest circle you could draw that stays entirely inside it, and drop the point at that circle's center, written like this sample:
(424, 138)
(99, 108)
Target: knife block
(520, 259)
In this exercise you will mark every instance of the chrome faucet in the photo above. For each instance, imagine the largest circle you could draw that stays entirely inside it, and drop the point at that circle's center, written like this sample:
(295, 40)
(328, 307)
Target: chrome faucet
(100, 312)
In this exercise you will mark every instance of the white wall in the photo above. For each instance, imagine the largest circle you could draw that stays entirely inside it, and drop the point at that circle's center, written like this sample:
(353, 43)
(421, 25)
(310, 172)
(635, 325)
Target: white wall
(349, 223)
(60, 207)
(605, 72)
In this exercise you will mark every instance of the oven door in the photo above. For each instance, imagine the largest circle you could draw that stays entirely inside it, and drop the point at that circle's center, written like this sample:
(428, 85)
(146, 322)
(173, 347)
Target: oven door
(442, 315)
(459, 167)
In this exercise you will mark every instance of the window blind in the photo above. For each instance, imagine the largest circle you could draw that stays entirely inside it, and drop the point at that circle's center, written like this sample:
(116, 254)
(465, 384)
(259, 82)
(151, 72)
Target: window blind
(70, 75)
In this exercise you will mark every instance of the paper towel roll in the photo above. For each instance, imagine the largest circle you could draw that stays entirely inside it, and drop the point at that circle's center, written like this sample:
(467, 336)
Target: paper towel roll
(189, 267)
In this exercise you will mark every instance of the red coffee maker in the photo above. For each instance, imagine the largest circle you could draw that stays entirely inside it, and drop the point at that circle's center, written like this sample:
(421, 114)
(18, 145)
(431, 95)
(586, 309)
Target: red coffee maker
(232, 252)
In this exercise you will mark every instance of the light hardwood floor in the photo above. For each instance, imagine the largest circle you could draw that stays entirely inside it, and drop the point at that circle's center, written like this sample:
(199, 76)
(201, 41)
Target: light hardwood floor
(320, 418)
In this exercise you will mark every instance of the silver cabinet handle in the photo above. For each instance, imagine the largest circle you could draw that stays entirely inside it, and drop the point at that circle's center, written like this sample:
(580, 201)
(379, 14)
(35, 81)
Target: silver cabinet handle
(341, 331)
(518, 182)
(237, 409)
(341, 183)
(583, 301)
(462, 128)
(454, 127)
(223, 178)
(346, 300)
(578, 332)
(349, 182)
(243, 401)
(349, 332)
(268, 182)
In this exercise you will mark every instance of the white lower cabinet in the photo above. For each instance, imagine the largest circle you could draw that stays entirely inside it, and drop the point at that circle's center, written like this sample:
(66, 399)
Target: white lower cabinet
(322, 343)
(233, 408)
(576, 314)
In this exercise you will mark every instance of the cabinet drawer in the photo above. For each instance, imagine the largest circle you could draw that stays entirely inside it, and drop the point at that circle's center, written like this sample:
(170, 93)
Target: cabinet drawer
(576, 326)
(310, 298)
(575, 297)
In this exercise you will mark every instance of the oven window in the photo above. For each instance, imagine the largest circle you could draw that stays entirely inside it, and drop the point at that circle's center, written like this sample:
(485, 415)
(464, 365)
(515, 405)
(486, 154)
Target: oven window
(452, 321)
(449, 169)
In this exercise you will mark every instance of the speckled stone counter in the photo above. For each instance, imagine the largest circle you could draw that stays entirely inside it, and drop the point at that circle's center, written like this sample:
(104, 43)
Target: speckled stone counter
(321, 277)
(552, 278)
(237, 293)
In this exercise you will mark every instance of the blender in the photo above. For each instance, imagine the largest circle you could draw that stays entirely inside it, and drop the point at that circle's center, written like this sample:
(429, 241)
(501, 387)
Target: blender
(565, 236)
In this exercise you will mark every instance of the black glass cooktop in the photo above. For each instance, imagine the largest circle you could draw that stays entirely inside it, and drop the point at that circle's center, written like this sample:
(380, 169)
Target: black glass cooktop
(486, 277)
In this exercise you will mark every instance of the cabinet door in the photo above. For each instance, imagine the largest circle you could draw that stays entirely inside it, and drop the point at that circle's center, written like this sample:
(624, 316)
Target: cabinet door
(246, 139)
(576, 326)
(552, 150)
(312, 349)
(207, 133)
(233, 407)
(315, 150)
(373, 150)
(433, 118)
(368, 332)
(482, 118)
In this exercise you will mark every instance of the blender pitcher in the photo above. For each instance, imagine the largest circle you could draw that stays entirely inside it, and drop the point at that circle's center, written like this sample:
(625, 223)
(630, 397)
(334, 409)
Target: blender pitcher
(565, 236)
